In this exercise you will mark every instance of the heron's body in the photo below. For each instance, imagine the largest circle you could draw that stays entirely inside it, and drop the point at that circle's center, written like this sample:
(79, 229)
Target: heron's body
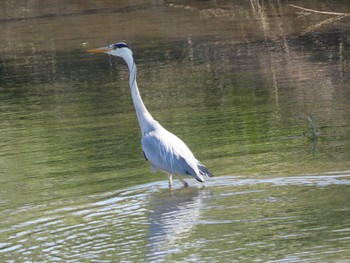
(164, 150)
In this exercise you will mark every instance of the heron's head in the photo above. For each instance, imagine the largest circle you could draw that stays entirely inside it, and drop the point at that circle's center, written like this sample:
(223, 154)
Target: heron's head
(119, 49)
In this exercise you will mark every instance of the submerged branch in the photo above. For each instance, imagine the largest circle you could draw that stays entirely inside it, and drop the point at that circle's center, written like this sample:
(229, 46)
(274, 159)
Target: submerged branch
(312, 133)
(320, 12)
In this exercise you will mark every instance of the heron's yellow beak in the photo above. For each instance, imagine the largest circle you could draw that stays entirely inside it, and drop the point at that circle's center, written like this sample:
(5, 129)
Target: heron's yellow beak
(100, 50)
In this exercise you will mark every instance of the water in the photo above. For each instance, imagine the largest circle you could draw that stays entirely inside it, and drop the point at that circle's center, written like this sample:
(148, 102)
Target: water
(238, 81)
(293, 219)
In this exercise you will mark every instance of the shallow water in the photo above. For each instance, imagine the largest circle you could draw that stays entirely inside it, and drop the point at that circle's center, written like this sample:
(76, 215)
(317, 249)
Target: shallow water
(241, 82)
(281, 219)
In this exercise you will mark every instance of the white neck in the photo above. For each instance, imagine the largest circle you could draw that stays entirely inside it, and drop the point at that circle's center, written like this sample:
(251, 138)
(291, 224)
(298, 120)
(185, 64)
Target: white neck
(145, 119)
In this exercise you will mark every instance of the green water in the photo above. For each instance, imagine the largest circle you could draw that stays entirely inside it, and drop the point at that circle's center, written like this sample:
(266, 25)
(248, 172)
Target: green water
(238, 81)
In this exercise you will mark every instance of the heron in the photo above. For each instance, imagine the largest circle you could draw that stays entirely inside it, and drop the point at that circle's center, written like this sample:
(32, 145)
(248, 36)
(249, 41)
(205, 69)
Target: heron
(163, 149)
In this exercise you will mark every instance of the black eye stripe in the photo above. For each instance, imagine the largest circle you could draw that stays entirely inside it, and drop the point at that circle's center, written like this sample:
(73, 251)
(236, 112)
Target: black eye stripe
(120, 45)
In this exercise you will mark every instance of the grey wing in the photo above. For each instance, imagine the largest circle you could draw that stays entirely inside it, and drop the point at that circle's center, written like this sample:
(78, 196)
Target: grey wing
(167, 152)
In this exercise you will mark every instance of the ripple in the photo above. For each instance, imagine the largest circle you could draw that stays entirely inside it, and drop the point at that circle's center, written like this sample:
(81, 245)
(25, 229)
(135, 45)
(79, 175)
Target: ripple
(340, 178)
(230, 215)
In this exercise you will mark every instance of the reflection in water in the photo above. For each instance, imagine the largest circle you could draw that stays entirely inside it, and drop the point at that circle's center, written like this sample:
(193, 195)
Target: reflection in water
(242, 219)
(173, 216)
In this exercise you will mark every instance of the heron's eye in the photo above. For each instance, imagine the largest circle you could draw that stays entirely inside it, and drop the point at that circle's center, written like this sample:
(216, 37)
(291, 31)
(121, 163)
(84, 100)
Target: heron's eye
(120, 45)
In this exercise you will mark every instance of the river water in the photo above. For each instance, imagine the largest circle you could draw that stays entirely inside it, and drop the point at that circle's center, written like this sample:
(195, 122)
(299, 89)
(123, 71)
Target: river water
(259, 90)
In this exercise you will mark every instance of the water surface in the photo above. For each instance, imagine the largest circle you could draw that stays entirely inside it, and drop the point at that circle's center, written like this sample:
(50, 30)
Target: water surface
(241, 82)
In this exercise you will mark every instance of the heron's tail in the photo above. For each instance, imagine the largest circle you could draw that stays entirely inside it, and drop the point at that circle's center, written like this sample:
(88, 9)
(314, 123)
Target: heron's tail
(204, 171)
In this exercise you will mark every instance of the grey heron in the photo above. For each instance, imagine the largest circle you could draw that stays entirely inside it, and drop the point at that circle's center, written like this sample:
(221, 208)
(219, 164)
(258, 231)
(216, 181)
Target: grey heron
(164, 150)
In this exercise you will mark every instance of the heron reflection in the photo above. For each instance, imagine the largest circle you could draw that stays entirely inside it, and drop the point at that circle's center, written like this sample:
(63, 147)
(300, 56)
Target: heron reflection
(174, 217)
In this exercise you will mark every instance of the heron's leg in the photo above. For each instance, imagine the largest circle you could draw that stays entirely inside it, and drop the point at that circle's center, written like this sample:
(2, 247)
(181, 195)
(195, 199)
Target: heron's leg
(182, 180)
(170, 177)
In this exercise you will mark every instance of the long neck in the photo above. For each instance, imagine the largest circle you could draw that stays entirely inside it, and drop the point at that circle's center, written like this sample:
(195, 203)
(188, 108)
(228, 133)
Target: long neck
(144, 117)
